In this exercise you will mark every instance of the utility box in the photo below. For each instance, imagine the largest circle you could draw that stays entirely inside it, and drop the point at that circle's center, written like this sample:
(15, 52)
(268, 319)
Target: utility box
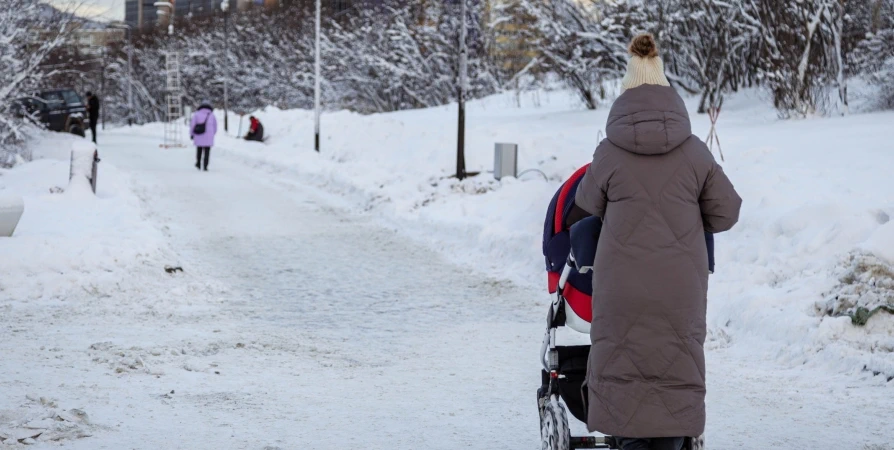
(505, 160)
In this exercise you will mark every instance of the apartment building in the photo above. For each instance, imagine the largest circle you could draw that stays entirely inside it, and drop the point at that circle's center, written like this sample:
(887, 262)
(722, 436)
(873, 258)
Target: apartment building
(144, 13)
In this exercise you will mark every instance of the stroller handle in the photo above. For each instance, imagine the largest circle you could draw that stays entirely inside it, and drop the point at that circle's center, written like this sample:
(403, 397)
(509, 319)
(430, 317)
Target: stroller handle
(566, 271)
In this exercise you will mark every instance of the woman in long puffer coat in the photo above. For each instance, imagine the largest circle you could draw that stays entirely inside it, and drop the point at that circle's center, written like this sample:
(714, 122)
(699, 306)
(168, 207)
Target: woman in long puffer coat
(202, 129)
(657, 188)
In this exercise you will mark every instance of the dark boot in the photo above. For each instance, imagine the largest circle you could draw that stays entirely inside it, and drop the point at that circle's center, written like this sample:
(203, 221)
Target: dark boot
(207, 157)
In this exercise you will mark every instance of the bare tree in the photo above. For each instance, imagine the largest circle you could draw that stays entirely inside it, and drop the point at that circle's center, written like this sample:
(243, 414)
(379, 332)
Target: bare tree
(29, 33)
(869, 38)
(711, 47)
(583, 41)
(803, 54)
(405, 55)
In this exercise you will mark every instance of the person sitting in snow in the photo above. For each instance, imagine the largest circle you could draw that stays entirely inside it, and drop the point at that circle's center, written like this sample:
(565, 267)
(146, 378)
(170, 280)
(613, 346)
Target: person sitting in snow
(657, 188)
(255, 130)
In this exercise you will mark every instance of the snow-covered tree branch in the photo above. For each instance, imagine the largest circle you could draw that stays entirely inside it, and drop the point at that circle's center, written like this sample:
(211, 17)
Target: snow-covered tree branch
(29, 33)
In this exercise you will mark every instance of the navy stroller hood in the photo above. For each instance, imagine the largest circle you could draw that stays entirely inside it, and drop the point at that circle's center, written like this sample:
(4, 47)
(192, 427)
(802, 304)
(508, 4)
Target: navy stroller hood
(557, 245)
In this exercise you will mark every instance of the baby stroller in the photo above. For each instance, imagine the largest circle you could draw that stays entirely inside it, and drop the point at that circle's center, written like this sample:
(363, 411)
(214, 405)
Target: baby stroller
(570, 252)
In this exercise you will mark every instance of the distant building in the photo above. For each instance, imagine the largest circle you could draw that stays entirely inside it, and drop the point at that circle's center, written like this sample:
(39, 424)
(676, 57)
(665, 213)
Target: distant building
(92, 41)
(140, 13)
(328, 5)
(245, 4)
(144, 13)
(86, 36)
(193, 8)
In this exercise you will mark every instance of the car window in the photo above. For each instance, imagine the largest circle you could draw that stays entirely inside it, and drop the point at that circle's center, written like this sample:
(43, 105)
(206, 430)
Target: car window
(71, 97)
(33, 103)
(54, 99)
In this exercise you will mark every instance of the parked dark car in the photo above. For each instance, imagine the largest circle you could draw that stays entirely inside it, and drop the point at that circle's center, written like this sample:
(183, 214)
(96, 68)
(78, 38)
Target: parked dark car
(56, 109)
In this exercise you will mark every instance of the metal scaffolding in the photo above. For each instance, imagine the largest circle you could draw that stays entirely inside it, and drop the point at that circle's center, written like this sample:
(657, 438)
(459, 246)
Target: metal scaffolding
(173, 101)
(173, 88)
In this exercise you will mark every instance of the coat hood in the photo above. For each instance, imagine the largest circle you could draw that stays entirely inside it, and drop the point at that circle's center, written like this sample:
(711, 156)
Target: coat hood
(649, 120)
(205, 106)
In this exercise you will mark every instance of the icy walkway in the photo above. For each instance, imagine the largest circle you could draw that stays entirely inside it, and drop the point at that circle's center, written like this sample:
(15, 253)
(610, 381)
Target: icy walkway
(296, 325)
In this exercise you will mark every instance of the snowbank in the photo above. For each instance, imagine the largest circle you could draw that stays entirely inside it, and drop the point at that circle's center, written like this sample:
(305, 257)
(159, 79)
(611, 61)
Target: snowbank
(68, 239)
(815, 192)
(66, 261)
(881, 242)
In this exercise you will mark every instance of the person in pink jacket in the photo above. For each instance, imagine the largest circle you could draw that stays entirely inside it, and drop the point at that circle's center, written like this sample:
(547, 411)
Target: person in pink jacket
(202, 129)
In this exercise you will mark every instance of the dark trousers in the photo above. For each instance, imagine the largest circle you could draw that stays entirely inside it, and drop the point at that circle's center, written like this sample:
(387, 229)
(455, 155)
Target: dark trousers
(651, 444)
(93, 129)
(199, 151)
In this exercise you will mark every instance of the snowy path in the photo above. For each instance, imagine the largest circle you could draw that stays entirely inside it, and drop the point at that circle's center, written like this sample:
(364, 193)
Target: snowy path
(351, 336)
(298, 326)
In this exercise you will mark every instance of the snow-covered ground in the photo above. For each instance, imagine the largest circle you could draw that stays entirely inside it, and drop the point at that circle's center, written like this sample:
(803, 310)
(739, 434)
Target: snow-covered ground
(304, 317)
(818, 201)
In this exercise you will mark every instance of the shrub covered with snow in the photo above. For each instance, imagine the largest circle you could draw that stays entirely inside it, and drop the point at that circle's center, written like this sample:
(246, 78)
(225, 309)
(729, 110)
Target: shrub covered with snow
(802, 52)
(866, 288)
(29, 33)
(398, 55)
(402, 55)
(874, 59)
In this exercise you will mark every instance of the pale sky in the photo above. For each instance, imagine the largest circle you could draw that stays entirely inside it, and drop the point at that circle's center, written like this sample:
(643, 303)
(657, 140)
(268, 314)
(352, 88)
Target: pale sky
(97, 9)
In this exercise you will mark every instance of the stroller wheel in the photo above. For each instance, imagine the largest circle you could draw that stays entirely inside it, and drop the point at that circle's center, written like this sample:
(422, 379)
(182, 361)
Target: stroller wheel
(696, 443)
(554, 432)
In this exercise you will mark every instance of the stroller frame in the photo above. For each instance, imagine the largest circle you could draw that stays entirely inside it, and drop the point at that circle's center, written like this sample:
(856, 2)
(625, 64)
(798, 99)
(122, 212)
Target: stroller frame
(555, 433)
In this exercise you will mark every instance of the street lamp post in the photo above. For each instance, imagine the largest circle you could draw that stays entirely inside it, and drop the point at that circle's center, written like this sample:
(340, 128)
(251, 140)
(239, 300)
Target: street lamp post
(317, 82)
(225, 7)
(129, 76)
(461, 97)
(102, 86)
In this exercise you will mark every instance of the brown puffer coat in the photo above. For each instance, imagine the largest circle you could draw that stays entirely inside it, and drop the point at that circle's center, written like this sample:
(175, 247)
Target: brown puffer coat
(657, 188)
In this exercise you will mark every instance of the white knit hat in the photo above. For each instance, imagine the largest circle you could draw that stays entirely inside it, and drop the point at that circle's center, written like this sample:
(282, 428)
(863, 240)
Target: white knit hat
(644, 66)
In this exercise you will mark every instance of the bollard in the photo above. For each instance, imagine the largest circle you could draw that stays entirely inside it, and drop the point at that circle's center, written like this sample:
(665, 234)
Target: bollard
(505, 160)
(94, 170)
(11, 209)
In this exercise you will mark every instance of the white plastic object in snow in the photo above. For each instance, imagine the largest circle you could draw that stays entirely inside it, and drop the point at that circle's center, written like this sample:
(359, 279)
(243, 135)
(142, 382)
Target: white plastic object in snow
(505, 161)
(11, 209)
